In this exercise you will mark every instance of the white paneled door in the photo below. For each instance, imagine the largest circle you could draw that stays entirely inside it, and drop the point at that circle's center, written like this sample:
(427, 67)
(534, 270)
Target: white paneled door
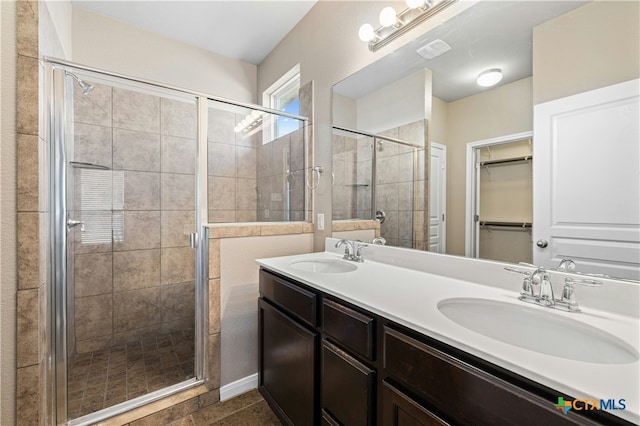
(586, 176)
(438, 199)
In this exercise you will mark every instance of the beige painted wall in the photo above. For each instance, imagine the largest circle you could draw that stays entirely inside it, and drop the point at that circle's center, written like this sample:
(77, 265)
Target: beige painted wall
(438, 129)
(111, 45)
(238, 295)
(594, 46)
(60, 15)
(345, 112)
(8, 273)
(404, 101)
(498, 112)
(328, 54)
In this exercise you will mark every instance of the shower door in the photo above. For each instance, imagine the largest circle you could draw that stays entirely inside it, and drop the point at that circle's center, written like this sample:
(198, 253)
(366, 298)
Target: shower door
(126, 161)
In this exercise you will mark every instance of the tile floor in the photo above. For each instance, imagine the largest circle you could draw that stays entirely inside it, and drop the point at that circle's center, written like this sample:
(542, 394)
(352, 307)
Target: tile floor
(107, 377)
(248, 409)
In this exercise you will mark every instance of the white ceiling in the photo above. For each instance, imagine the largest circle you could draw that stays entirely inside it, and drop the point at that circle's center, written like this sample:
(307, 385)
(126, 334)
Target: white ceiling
(239, 29)
(491, 34)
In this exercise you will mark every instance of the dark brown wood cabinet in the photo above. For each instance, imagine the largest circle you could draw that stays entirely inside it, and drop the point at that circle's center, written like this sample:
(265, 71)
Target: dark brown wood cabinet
(348, 387)
(327, 362)
(288, 349)
(399, 409)
(463, 393)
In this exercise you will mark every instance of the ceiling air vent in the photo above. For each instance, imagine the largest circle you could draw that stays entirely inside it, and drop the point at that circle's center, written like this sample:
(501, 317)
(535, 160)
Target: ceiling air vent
(433, 49)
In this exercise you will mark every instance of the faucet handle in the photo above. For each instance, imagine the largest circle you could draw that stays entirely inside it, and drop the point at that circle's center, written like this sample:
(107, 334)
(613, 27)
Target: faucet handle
(583, 281)
(359, 246)
(568, 292)
(527, 288)
(566, 265)
(517, 271)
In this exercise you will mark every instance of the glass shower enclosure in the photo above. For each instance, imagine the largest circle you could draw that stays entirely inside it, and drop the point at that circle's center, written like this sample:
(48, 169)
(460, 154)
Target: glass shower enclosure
(136, 170)
(381, 178)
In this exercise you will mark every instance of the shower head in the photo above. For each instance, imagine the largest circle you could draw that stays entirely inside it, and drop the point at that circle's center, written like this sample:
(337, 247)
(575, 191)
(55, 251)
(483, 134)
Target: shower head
(86, 88)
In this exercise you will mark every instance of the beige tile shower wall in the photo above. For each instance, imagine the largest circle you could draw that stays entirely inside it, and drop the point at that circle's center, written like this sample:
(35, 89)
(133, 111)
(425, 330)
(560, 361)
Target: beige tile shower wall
(280, 169)
(233, 290)
(31, 307)
(140, 279)
(400, 187)
(347, 179)
(232, 169)
(248, 177)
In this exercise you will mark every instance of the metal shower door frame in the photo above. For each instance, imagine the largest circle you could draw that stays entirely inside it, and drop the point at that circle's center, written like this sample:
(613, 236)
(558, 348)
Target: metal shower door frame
(58, 128)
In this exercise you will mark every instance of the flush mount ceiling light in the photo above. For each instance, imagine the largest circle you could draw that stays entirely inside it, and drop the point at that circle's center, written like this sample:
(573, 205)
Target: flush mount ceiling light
(489, 78)
(393, 24)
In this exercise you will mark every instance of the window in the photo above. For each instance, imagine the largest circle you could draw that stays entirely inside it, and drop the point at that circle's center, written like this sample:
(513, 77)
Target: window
(283, 95)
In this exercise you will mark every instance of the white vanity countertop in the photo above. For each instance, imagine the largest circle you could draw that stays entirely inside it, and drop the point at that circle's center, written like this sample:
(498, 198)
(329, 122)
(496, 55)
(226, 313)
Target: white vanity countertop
(410, 298)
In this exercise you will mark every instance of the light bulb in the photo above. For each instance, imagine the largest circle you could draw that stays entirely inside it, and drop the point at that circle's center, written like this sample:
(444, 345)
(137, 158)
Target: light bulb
(489, 77)
(366, 33)
(255, 115)
(388, 16)
(414, 4)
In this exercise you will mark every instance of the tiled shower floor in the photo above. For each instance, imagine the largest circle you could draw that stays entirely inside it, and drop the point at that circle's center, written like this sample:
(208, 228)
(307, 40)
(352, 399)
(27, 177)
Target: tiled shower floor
(107, 377)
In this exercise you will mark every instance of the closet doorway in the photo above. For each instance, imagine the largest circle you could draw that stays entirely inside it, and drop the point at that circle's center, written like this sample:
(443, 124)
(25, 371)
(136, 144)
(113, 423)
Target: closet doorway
(500, 198)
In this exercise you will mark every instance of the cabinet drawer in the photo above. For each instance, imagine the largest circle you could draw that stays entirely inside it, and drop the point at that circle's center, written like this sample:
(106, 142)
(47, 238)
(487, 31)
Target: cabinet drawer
(296, 300)
(354, 330)
(400, 410)
(466, 394)
(348, 388)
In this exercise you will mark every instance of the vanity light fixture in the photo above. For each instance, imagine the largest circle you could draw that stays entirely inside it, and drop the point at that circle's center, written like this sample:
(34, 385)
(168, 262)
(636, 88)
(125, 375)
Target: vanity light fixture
(393, 24)
(489, 78)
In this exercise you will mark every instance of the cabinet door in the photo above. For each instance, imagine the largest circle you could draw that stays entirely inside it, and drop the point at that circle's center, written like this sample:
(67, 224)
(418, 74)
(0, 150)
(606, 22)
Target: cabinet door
(400, 410)
(287, 366)
(348, 387)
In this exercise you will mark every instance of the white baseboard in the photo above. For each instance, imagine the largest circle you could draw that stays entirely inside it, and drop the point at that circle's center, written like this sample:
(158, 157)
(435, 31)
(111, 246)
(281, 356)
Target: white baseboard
(238, 387)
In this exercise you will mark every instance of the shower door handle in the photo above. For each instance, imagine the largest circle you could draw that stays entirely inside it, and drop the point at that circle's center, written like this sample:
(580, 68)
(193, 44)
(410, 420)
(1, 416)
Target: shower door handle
(193, 240)
(72, 223)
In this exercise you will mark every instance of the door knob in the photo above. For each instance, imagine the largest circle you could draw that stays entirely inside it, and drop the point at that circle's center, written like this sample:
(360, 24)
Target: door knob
(542, 243)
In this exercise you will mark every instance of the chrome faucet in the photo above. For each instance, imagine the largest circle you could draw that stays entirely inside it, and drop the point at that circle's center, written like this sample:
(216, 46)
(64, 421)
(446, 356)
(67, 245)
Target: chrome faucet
(352, 250)
(537, 288)
(348, 249)
(379, 241)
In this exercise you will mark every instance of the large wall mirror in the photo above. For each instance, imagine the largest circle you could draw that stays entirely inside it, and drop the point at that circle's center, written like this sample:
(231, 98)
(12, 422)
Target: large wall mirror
(465, 151)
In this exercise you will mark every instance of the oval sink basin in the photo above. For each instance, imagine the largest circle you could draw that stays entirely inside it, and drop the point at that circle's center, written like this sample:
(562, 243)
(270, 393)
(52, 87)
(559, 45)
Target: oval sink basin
(324, 266)
(538, 331)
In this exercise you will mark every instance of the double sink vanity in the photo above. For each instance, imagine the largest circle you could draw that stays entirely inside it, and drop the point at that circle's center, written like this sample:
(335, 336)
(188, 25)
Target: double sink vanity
(402, 337)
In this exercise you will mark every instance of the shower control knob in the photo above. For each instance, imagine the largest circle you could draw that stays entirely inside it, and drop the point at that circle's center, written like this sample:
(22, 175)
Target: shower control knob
(542, 243)
(72, 223)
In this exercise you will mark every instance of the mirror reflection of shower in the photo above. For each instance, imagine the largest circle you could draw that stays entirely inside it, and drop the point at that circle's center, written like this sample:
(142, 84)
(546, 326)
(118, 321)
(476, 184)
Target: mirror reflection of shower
(85, 87)
(377, 176)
